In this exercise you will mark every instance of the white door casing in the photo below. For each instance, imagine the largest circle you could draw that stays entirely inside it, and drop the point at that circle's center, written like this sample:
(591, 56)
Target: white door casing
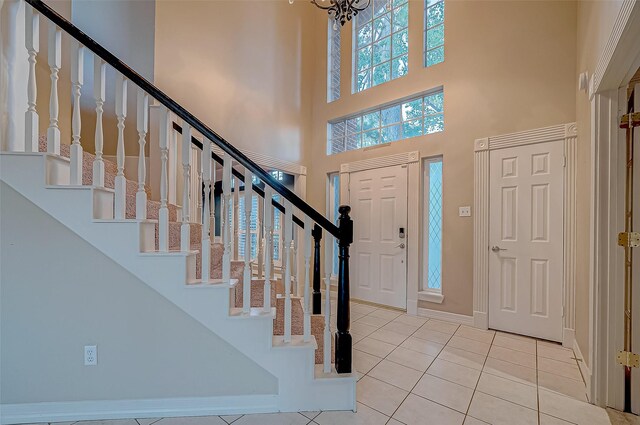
(378, 199)
(481, 243)
(525, 235)
(635, 339)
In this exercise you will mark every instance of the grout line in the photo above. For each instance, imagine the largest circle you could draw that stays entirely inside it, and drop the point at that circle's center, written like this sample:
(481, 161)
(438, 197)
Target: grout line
(475, 389)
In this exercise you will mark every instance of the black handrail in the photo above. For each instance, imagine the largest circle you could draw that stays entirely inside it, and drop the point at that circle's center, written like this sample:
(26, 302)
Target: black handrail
(181, 112)
(197, 143)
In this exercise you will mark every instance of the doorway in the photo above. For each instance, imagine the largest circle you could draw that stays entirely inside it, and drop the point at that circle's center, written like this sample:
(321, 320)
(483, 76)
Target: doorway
(378, 198)
(526, 240)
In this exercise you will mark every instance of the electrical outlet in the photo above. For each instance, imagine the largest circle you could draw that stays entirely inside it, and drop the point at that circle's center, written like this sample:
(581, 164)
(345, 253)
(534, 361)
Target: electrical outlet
(90, 355)
(464, 211)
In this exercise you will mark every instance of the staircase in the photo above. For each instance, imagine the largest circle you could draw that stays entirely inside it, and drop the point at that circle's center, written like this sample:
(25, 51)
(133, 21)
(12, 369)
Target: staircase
(172, 247)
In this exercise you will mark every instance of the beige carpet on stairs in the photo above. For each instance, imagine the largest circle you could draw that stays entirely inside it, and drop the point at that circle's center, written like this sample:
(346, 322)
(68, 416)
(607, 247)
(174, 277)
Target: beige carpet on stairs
(237, 267)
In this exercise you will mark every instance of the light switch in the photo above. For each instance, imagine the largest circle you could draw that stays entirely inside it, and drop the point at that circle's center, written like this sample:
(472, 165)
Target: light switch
(464, 211)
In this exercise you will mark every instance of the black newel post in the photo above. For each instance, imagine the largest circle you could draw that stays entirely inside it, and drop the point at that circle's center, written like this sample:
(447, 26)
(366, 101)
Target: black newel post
(343, 338)
(317, 296)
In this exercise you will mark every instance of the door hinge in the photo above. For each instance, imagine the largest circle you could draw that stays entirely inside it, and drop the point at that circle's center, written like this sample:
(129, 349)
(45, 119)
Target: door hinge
(629, 239)
(626, 358)
(630, 120)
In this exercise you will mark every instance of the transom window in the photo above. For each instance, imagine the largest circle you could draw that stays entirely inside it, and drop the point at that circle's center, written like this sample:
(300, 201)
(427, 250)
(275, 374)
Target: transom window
(416, 116)
(381, 43)
(433, 32)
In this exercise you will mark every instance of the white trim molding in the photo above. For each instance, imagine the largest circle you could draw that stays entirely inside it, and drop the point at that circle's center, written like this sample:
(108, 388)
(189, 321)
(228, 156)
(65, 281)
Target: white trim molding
(462, 319)
(412, 161)
(566, 133)
(122, 409)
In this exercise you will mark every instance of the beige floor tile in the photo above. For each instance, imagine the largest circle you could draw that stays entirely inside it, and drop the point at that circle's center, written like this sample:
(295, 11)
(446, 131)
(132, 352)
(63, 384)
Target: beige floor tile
(441, 326)
(207, 420)
(388, 336)
(408, 319)
(498, 412)
(511, 371)
(620, 418)
(506, 389)
(416, 410)
(363, 328)
(379, 395)
(400, 328)
(362, 308)
(557, 353)
(469, 345)
(524, 345)
(479, 335)
(473, 421)
(516, 336)
(462, 357)
(453, 372)
(396, 374)
(355, 337)
(385, 314)
(311, 415)
(444, 392)
(562, 385)
(149, 421)
(272, 419)
(410, 358)
(431, 335)
(571, 410)
(550, 420)
(513, 356)
(364, 362)
(556, 367)
(394, 422)
(420, 345)
(374, 347)
(364, 416)
(378, 322)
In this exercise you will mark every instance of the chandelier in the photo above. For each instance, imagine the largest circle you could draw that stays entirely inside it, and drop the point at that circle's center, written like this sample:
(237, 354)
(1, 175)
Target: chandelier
(341, 10)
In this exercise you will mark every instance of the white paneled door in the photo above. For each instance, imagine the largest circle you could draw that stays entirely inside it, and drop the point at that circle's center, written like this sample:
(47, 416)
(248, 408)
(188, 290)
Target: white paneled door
(378, 200)
(526, 240)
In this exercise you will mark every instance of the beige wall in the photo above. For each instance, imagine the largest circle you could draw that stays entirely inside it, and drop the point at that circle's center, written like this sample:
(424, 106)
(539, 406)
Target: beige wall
(509, 66)
(595, 22)
(240, 67)
(83, 298)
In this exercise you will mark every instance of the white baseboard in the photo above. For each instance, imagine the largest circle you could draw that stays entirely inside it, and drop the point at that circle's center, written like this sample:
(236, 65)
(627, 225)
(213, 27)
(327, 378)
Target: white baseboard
(412, 307)
(586, 372)
(122, 409)
(444, 315)
(568, 337)
(480, 320)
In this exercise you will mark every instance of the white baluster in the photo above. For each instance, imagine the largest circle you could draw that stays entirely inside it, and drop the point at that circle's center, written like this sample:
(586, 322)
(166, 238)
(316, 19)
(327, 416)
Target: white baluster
(206, 179)
(212, 219)
(142, 127)
(226, 231)
(268, 255)
(185, 228)
(294, 262)
(55, 54)
(236, 219)
(99, 84)
(199, 189)
(77, 79)
(286, 263)
(328, 261)
(32, 42)
(163, 212)
(307, 271)
(121, 181)
(260, 241)
(248, 207)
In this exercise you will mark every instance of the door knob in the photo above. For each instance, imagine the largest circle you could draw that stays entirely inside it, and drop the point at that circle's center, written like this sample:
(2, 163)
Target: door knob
(496, 248)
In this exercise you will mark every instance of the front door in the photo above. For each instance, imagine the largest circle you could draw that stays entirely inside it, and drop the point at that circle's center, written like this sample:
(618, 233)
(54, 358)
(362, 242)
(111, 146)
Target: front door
(378, 200)
(526, 240)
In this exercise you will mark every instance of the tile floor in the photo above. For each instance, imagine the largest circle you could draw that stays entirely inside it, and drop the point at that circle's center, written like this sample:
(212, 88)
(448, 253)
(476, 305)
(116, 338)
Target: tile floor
(413, 370)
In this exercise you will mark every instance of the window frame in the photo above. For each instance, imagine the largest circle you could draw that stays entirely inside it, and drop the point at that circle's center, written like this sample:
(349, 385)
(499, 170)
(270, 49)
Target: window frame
(379, 108)
(356, 48)
(332, 57)
(425, 292)
(428, 4)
